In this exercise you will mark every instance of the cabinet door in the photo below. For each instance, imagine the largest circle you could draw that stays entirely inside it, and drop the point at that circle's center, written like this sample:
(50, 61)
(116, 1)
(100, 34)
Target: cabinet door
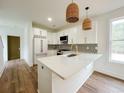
(44, 33)
(49, 37)
(38, 45)
(44, 79)
(36, 31)
(41, 32)
(52, 38)
(45, 45)
(55, 39)
(58, 37)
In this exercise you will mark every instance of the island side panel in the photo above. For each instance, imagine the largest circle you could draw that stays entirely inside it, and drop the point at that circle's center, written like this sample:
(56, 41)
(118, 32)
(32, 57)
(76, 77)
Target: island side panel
(72, 84)
(44, 79)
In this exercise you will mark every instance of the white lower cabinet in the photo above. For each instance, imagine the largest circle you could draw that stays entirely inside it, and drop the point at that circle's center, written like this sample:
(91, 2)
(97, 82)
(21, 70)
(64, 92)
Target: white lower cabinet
(49, 82)
(44, 79)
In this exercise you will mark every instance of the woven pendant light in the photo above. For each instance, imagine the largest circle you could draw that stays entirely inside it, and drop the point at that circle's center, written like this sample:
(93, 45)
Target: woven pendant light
(72, 13)
(87, 23)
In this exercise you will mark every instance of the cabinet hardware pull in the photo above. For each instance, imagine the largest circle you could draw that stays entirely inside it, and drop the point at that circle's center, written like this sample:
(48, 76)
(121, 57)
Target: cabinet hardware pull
(42, 67)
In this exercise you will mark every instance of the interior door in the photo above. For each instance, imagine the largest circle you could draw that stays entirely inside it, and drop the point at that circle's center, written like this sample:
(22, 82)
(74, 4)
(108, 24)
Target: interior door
(13, 47)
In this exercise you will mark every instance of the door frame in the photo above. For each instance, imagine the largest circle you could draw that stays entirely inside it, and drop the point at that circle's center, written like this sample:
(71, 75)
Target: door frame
(8, 46)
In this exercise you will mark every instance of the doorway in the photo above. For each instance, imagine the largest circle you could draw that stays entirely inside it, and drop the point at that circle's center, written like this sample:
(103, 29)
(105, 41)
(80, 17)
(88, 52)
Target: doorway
(13, 47)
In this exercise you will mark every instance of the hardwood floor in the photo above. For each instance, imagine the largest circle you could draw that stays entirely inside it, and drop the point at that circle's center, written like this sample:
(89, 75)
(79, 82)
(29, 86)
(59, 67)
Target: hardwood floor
(18, 77)
(100, 83)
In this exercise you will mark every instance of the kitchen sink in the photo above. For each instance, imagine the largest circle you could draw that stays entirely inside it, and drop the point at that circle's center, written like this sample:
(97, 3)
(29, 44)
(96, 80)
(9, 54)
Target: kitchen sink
(71, 55)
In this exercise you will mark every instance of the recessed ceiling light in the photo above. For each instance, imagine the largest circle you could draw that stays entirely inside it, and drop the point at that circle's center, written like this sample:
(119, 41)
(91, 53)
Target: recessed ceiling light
(49, 19)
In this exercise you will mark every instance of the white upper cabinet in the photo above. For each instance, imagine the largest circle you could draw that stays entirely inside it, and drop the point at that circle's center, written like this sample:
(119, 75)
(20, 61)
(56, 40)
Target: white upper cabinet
(44, 33)
(66, 32)
(76, 35)
(36, 31)
(41, 32)
(52, 38)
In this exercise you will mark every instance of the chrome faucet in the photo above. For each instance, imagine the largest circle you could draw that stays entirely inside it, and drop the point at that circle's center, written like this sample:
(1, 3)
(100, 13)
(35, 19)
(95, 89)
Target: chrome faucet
(76, 48)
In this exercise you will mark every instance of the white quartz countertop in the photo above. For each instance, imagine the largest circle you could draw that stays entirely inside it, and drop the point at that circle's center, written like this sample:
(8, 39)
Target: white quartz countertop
(65, 66)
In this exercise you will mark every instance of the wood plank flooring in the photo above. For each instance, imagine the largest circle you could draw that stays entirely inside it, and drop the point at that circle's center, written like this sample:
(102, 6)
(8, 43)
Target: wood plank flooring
(18, 77)
(99, 83)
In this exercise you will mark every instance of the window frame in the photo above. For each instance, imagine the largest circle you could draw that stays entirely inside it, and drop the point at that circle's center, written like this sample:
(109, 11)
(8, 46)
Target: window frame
(110, 42)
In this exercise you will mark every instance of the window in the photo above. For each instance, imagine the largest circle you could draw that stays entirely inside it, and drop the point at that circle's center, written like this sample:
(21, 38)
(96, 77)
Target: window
(117, 41)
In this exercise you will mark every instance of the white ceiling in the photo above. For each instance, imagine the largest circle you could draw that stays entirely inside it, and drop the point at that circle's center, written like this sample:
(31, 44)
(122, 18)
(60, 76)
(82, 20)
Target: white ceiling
(40, 10)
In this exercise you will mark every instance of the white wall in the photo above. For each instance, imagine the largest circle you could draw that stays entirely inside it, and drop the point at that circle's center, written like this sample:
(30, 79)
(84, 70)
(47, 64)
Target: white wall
(22, 28)
(1, 57)
(103, 65)
(12, 31)
(28, 44)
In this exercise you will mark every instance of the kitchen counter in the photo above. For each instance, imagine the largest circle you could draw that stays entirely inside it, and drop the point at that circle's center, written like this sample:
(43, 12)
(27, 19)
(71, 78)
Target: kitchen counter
(65, 66)
(62, 74)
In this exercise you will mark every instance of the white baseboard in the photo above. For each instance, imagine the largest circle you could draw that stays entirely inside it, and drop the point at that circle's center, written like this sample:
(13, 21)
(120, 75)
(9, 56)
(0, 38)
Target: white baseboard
(2, 70)
(38, 91)
(110, 74)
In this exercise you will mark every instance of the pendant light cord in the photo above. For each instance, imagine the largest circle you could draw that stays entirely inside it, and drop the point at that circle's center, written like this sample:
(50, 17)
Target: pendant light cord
(72, 1)
(86, 14)
(87, 8)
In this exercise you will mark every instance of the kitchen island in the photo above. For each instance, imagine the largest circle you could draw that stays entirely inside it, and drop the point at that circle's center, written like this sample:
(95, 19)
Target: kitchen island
(63, 74)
